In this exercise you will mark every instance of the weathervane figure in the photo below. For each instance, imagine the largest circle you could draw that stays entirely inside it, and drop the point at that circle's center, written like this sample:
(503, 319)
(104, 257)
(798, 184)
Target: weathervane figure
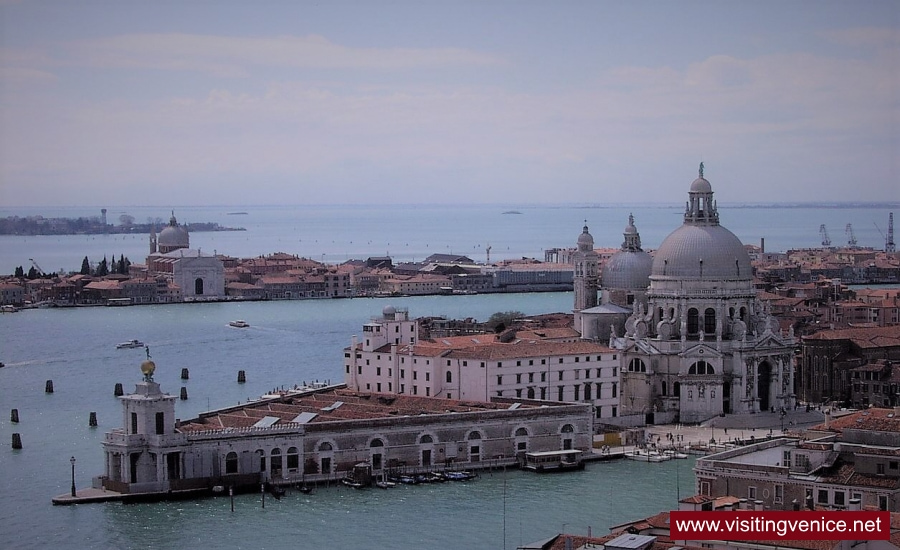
(701, 169)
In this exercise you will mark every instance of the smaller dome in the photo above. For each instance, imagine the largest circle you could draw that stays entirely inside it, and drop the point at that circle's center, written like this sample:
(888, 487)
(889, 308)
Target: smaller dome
(585, 240)
(627, 270)
(700, 185)
(388, 311)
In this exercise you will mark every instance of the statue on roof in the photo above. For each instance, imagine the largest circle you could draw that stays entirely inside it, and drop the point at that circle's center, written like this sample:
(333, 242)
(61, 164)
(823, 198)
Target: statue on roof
(701, 169)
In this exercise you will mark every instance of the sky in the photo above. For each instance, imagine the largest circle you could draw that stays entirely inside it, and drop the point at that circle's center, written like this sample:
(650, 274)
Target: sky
(193, 102)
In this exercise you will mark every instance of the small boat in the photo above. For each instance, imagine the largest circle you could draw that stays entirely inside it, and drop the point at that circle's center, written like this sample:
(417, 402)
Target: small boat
(674, 454)
(130, 344)
(239, 324)
(647, 456)
(459, 476)
(305, 489)
(350, 482)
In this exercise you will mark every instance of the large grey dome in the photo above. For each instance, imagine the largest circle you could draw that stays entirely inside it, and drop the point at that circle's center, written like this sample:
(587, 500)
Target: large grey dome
(704, 252)
(627, 270)
(701, 248)
(173, 237)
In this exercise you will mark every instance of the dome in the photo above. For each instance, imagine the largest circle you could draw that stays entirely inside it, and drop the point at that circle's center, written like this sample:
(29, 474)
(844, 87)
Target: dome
(701, 185)
(388, 312)
(585, 240)
(701, 251)
(627, 270)
(173, 237)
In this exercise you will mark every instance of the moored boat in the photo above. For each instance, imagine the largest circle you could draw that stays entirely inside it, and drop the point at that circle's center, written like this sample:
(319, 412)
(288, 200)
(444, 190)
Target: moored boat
(239, 324)
(647, 456)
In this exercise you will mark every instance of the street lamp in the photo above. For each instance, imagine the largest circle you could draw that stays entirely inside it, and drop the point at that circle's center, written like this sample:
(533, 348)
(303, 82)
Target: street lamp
(72, 461)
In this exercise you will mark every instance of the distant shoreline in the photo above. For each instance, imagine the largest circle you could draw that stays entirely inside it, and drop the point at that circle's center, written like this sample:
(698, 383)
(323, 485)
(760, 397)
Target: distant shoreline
(36, 226)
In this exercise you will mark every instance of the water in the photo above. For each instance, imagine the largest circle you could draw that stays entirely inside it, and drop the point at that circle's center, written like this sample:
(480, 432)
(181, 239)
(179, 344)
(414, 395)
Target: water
(287, 343)
(337, 233)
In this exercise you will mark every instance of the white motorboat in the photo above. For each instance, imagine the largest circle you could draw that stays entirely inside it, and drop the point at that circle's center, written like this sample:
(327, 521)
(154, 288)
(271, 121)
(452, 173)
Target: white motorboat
(646, 456)
(239, 324)
(130, 344)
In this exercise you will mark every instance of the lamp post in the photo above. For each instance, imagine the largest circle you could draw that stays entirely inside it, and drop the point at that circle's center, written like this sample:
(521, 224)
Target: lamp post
(72, 461)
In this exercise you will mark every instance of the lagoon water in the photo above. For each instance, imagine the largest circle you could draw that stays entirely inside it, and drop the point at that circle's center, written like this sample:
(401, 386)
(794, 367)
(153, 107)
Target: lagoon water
(287, 343)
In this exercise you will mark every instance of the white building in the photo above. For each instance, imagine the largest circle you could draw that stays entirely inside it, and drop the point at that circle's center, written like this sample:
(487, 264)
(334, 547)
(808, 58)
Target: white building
(390, 358)
(198, 275)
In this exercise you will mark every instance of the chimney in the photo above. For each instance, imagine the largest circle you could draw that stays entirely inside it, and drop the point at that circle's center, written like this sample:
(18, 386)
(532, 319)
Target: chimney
(795, 505)
(742, 504)
(855, 505)
(758, 505)
(809, 503)
(762, 245)
(727, 507)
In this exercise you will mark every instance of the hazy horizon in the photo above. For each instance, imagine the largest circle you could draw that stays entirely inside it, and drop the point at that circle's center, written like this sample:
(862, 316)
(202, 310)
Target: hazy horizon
(468, 102)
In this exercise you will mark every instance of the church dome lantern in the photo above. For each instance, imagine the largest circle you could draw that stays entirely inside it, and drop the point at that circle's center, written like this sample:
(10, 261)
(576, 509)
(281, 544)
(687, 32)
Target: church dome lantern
(701, 248)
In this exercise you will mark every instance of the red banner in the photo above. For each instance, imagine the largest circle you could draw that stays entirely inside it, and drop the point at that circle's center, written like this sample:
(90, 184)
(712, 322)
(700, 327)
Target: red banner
(770, 525)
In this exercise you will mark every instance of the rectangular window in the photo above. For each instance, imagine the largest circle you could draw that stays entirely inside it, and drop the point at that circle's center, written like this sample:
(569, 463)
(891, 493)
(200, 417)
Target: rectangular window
(402, 373)
(499, 380)
(415, 390)
(577, 359)
(560, 360)
(160, 423)
(576, 374)
(839, 497)
(415, 375)
(615, 390)
(347, 369)
(530, 377)
(428, 377)
(377, 371)
(499, 364)
(786, 459)
(530, 362)
(519, 392)
(879, 469)
(577, 392)
(427, 391)
(704, 488)
(543, 361)
(751, 493)
(519, 378)
(615, 411)
(378, 387)
(358, 369)
(465, 363)
(779, 493)
(543, 377)
(560, 375)
(560, 396)
(518, 363)
(134, 423)
(823, 496)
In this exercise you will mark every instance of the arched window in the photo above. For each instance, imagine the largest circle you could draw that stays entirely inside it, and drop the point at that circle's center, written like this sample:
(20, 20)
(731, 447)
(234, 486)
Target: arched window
(587, 391)
(474, 435)
(426, 439)
(676, 389)
(709, 321)
(530, 393)
(325, 446)
(261, 455)
(568, 428)
(198, 286)
(665, 388)
(693, 321)
(636, 365)
(449, 377)
(231, 463)
(701, 367)
(521, 432)
(276, 462)
(376, 443)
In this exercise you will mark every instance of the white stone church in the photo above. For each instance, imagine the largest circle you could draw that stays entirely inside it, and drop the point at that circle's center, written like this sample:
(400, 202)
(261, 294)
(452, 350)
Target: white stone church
(694, 340)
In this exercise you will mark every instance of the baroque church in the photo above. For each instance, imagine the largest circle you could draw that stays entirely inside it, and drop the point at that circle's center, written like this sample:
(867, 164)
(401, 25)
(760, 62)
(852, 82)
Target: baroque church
(694, 341)
(199, 276)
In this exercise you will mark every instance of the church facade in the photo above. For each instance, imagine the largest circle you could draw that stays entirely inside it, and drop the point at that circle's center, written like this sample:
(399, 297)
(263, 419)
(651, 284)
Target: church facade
(696, 342)
(198, 276)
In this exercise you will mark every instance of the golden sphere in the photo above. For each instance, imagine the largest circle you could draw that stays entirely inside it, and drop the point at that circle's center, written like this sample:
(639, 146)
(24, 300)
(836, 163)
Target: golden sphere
(147, 367)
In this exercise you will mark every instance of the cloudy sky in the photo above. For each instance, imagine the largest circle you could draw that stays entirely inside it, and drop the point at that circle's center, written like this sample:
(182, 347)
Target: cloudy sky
(490, 101)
